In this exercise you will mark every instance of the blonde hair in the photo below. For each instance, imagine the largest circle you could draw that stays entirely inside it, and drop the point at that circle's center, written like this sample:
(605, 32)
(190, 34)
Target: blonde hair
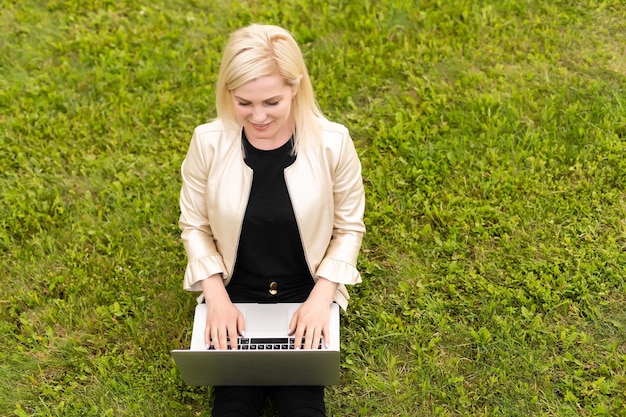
(256, 51)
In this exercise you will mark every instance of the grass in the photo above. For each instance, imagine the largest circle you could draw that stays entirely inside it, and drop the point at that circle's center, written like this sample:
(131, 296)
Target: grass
(493, 141)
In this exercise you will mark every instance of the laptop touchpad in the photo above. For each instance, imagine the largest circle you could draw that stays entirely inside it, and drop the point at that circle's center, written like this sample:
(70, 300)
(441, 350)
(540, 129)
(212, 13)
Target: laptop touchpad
(270, 321)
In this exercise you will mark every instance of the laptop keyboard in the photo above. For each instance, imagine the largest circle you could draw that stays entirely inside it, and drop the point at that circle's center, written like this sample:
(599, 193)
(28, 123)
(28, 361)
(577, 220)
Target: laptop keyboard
(278, 343)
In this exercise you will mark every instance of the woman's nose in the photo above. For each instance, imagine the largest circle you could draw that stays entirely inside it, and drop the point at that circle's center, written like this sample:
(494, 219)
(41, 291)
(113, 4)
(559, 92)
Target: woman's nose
(258, 115)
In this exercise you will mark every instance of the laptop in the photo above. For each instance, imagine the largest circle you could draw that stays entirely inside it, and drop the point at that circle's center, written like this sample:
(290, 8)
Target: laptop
(265, 356)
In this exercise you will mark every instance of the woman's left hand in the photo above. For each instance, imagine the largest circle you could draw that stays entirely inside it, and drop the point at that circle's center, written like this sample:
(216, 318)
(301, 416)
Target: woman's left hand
(310, 321)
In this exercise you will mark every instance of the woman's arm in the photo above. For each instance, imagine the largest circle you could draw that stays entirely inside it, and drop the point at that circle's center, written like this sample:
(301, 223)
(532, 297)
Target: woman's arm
(205, 264)
(203, 258)
(339, 262)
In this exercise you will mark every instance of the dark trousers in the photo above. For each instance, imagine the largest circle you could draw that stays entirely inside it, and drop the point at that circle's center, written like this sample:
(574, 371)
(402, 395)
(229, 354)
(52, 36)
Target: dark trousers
(290, 401)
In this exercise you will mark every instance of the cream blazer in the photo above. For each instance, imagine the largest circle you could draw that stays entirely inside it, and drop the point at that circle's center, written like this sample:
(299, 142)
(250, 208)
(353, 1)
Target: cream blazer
(326, 191)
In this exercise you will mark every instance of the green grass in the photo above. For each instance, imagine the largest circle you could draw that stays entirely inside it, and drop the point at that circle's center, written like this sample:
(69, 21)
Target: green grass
(493, 140)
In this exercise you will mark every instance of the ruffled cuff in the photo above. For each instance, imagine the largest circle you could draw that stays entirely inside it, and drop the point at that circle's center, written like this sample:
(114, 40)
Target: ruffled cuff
(338, 271)
(200, 269)
(342, 297)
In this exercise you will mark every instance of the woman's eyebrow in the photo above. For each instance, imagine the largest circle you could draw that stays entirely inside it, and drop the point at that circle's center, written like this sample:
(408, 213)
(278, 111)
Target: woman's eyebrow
(275, 98)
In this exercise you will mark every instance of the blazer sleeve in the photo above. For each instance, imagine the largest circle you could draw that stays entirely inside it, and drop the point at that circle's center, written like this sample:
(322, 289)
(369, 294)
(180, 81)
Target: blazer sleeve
(203, 258)
(339, 262)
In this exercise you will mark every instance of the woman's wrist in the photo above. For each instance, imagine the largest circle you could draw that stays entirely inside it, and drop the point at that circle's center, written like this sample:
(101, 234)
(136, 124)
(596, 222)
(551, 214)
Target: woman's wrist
(213, 289)
(324, 290)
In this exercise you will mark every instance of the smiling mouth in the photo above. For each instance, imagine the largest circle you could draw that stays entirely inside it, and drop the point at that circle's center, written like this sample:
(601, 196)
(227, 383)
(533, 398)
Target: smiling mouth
(260, 127)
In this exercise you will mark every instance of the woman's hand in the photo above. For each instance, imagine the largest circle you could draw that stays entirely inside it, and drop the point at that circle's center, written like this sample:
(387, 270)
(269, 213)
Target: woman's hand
(311, 319)
(223, 320)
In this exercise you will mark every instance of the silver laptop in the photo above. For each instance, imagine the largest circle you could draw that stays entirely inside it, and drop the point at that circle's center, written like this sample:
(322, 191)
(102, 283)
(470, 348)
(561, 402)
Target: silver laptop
(265, 356)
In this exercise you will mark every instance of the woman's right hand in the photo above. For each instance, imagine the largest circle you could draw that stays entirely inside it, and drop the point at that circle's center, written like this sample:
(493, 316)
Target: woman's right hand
(224, 321)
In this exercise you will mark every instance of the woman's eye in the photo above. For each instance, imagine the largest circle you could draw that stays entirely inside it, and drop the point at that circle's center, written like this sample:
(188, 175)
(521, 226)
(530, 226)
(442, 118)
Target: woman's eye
(269, 103)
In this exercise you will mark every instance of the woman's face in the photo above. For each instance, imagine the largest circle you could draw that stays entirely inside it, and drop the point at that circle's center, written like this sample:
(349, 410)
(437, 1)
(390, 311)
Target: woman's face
(263, 108)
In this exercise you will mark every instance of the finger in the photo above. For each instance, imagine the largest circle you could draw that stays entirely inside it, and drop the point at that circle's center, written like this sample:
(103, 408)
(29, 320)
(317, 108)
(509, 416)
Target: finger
(241, 325)
(293, 323)
(296, 332)
(317, 336)
(214, 338)
(207, 332)
(238, 330)
(298, 336)
(232, 333)
(221, 339)
(326, 336)
(309, 337)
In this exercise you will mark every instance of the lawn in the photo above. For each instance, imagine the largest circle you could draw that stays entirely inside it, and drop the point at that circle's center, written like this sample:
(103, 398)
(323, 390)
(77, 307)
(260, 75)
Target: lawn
(493, 140)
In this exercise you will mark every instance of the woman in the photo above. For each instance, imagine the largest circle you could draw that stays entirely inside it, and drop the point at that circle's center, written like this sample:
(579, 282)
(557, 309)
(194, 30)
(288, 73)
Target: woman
(271, 207)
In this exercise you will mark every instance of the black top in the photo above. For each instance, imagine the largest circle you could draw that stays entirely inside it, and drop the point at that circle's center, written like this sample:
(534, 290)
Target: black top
(270, 264)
